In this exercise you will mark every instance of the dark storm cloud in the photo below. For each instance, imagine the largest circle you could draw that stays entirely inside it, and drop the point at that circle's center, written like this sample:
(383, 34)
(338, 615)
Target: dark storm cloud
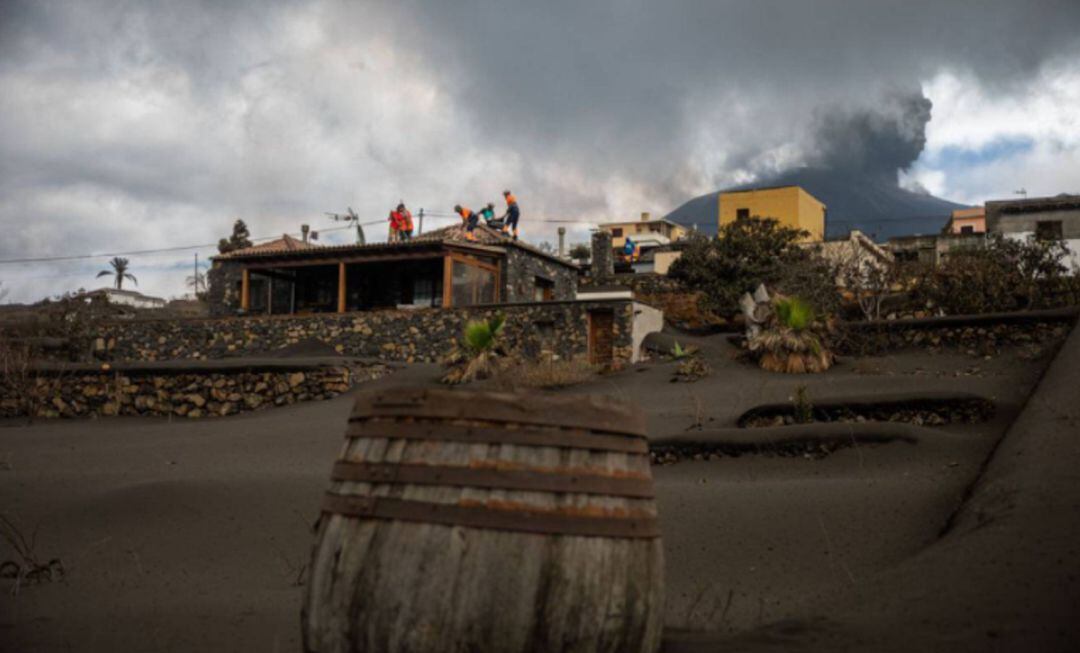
(876, 142)
(633, 84)
(128, 124)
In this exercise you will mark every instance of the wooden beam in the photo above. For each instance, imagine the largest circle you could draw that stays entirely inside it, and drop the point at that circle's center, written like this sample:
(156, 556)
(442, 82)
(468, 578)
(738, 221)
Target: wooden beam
(341, 288)
(334, 260)
(245, 290)
(448, 281)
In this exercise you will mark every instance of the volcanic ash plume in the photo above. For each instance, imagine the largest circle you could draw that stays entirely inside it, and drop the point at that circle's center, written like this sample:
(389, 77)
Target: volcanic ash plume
(877, 142)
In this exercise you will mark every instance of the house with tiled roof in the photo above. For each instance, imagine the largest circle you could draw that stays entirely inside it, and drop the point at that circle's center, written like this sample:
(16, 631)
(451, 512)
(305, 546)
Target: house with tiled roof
(441, 268)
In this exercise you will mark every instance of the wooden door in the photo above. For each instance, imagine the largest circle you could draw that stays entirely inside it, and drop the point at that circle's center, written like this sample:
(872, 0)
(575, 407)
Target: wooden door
(601, 337)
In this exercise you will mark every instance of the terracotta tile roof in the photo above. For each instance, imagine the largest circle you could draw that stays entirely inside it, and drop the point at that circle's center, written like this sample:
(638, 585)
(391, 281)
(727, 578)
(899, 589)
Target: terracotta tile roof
(284, 244)
(485, 236)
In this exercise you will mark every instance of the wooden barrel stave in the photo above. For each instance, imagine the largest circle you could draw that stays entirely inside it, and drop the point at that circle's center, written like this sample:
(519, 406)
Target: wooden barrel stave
(442, 577)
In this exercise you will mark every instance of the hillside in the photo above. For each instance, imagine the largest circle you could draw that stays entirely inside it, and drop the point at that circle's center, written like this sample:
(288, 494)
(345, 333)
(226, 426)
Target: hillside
(872, 204)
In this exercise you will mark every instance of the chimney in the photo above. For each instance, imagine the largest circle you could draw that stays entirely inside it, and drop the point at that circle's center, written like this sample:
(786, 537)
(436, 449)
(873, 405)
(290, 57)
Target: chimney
(304, 231)
(562, 242)
(645, 216)
(603, 258)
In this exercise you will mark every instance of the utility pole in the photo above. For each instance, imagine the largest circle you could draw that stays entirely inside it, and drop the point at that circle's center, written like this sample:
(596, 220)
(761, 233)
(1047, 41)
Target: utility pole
(196, 277)
(421, 222)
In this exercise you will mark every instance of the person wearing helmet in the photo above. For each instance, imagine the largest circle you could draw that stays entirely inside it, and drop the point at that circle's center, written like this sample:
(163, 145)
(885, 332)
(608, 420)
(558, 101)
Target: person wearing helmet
(469, 219)
(512, 214)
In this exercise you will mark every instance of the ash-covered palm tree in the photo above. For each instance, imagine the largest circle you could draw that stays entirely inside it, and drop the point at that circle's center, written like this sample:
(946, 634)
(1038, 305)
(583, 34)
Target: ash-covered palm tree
(119, 271)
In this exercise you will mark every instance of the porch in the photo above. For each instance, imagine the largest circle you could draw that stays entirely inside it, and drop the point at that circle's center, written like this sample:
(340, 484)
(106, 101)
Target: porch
(443, 275)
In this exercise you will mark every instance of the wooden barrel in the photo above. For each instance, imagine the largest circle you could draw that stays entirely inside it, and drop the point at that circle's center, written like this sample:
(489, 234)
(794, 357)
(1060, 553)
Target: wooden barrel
(469, 521)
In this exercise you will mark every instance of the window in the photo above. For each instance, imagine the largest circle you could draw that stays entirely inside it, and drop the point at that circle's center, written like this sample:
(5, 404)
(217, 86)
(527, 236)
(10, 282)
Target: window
(616, 232)
(472, 285)
(1048, 230)
(543, 290)
(967, 229)
(742, 214)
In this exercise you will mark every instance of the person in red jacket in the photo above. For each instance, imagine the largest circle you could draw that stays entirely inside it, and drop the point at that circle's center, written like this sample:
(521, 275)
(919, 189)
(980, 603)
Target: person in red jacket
(397, 224)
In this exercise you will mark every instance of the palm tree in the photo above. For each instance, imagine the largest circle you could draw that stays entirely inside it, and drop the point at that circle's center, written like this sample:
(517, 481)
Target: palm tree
(478, 355)
(196, 282)
(790, 343)
(120, 271)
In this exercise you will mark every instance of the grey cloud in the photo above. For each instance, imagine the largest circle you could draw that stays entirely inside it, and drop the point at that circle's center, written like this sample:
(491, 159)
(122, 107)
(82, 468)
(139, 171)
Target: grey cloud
(196, 113)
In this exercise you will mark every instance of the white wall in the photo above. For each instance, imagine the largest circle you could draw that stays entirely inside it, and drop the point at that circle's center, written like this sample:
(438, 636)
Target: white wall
(1072, 259)
(646, 320)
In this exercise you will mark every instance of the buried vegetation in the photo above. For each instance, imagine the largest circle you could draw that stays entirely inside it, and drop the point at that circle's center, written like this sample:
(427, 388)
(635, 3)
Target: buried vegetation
(916, 411)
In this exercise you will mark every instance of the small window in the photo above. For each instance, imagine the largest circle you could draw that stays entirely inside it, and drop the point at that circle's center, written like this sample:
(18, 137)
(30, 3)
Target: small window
(742, 214)
(1048, 230)
(543, 290)
(967, 229)
(616, 232)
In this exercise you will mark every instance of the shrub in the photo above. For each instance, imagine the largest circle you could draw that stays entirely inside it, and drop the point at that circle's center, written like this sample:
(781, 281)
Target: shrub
(1005, 275)
(746, 253)
(794, 313)
(477, 356)
(790, 343)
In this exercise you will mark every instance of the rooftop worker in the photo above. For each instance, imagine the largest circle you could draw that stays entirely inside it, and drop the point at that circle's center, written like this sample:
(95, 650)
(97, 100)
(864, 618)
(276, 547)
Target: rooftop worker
(512, 214)
(469, 219)
(406, 222)
(397, 224)
(629, 249)
(488, 213)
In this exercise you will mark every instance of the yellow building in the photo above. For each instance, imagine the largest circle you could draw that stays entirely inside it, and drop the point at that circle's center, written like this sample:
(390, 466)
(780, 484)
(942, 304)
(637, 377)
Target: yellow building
(790, 205)
(645, 231)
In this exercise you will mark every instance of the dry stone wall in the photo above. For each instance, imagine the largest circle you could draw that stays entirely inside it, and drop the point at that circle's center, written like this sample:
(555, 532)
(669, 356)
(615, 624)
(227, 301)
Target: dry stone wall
(424, 335)
(197, 393)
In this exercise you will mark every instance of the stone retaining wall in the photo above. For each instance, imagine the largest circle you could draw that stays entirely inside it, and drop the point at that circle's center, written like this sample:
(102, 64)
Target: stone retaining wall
(975, 335)
(424, 335)
(196, 393)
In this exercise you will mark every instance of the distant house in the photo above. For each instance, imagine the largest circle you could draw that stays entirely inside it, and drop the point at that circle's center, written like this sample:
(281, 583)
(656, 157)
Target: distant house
(791, 206)
(932, 249)
(646, 232)
(967, 221)
(126, 298)
(437, 269)
(857, 250)
(1045, 218)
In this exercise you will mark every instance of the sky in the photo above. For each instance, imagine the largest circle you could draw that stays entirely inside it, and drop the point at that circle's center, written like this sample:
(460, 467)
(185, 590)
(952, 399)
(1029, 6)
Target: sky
(132, 126)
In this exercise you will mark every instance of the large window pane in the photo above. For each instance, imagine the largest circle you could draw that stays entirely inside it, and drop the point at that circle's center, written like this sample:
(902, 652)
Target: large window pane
(472, 285)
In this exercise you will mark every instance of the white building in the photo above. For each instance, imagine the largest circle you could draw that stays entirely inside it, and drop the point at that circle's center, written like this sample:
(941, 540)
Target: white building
(126, 298)
(1050, 218)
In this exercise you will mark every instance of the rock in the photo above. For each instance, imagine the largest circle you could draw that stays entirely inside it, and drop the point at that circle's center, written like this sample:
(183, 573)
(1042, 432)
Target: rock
(296, 379)
(198, 400)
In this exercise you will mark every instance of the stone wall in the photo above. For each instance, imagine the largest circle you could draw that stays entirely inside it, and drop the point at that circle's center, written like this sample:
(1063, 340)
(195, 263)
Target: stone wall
(222, 281)
(423, 335)
(975, 335)
(184, 393)
(521, 269)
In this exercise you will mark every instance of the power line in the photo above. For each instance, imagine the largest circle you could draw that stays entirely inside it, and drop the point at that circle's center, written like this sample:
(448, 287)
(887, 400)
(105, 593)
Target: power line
(143, 252)
(183, 248)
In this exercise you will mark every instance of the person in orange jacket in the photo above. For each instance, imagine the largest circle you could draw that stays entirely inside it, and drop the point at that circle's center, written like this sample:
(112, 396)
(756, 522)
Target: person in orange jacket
(510, 219)
(406, 231)
(469, 219)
